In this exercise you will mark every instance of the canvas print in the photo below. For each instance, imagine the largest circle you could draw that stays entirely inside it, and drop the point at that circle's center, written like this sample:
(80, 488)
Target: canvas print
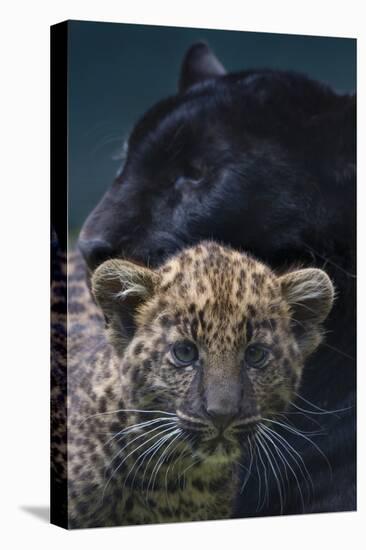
(203, 307)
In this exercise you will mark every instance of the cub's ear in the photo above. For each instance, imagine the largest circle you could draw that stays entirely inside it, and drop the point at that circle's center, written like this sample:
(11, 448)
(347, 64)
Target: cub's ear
(199, 64)
(120, 287)
(310, 295)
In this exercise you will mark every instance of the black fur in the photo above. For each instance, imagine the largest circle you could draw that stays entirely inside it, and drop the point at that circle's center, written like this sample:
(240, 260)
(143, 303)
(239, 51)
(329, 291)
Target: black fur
(264, 161)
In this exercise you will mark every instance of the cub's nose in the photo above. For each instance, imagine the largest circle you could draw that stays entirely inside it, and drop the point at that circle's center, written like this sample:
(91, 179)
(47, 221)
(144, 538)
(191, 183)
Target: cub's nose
(221, 417)
(95, 251)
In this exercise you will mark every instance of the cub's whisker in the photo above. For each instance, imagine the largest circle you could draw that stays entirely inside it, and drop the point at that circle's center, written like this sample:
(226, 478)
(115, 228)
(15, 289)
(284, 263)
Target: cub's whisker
(129, 443)
(286, 448)
(278, 451)
(301, 434)
(156, 411)
(180, 440)
(323, 411)
(249, 470)
(307, 432)
(290, 450)
(142, 456)
(161, 460)
(266, 485)
(132, 452)
(267, 454)
(155, 451)
(138, 427)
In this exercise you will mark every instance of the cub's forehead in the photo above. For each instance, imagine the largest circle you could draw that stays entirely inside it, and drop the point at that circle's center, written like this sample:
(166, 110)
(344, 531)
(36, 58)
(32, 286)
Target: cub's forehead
(209, 271)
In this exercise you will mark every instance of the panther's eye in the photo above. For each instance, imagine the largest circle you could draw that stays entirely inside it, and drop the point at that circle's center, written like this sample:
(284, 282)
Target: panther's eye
(184, 353)
(184, 182)
(195, 171)
(192, 176)
(256, 356)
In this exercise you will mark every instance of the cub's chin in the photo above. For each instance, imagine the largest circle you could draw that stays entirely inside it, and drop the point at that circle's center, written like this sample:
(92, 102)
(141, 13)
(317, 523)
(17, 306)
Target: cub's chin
(217, 450)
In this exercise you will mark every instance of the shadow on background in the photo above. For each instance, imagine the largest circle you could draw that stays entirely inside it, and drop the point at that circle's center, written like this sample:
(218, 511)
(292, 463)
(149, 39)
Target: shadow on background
(40, 512)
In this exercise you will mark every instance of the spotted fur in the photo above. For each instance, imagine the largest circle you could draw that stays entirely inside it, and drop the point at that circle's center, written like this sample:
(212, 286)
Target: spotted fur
(220, 300)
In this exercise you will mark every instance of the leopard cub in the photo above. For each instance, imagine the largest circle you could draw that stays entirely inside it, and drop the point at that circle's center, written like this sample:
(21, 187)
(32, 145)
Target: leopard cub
(201, 355)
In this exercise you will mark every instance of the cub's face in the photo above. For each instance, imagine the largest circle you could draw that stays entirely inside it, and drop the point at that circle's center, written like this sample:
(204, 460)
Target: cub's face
(213, 337)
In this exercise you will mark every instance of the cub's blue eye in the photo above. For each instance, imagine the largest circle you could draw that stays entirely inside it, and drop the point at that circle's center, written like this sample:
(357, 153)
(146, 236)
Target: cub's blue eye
(184, 353)
(256, 356)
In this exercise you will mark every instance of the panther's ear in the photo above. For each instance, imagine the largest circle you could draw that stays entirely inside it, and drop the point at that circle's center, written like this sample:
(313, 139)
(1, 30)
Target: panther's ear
(310, 295)
(120, 287)
(199, 63)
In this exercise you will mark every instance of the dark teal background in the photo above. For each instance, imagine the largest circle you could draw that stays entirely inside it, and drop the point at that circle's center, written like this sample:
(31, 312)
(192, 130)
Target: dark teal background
(117, 71)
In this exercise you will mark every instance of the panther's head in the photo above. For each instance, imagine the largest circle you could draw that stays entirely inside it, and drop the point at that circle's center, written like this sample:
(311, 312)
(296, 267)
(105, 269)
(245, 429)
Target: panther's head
(238, 158)
(213, 337)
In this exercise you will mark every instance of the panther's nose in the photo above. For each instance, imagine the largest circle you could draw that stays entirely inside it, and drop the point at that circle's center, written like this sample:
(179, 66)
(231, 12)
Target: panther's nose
(221, 417)
(95, 251)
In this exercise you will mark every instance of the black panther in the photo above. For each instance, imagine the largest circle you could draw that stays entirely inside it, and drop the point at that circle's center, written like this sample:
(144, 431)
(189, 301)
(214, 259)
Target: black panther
(263, 161)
